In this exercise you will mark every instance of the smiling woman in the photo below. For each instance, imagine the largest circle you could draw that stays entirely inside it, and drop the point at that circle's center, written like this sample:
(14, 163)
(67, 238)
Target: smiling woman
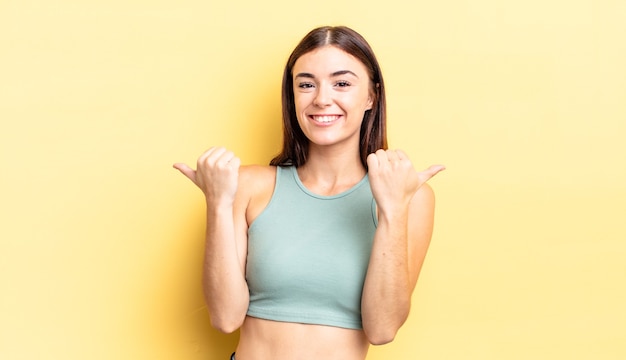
(330, 102)
(354, 46)
(316, 256)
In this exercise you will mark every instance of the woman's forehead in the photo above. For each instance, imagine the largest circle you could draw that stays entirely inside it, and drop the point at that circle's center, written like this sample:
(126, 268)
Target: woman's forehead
(327, 60)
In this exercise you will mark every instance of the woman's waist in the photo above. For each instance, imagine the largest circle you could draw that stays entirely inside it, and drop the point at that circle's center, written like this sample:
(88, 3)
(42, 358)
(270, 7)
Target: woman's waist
(262, 339)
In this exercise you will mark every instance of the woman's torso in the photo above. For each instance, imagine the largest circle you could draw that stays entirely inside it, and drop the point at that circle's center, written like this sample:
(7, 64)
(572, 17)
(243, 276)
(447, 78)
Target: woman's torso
(262, 339)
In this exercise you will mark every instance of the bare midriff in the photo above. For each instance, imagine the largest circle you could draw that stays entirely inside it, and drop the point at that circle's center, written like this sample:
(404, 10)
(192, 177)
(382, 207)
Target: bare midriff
(273, 340)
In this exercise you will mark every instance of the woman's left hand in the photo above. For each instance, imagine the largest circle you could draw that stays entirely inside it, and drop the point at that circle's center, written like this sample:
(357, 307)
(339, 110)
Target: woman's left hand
(393, 179)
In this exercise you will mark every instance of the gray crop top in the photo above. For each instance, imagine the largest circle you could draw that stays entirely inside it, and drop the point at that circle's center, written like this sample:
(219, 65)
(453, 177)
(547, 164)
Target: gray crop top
(308, 254)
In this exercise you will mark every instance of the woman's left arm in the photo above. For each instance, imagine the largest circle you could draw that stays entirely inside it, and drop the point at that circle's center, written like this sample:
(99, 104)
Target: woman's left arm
(405, 206)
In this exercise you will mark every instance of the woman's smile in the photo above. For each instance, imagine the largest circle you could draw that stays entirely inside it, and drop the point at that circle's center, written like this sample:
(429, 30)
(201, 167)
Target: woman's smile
(325, 119)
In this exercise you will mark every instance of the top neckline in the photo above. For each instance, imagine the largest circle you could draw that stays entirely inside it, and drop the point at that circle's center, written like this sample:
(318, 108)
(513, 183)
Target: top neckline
(346, 192)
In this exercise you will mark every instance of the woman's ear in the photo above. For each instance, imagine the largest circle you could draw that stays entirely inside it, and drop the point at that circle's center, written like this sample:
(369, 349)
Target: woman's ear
(372, 96)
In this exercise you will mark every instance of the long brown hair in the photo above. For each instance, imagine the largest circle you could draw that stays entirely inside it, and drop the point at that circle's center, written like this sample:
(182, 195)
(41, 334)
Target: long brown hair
(373, 135)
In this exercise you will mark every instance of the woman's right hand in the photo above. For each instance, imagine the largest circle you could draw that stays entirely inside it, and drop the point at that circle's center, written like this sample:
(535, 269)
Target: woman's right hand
(216, 174)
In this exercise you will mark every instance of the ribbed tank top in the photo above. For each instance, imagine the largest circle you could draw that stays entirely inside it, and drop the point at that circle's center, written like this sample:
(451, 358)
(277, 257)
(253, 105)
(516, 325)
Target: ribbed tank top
(308, 254)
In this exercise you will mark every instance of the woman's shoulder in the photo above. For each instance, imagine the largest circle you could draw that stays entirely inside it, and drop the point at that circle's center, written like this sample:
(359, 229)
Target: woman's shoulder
(257, 177)
(256, 186)
(257, 171)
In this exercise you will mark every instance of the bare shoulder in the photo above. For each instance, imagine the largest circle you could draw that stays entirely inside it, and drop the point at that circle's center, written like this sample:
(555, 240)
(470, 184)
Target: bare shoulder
(256, 185)
(425, 193)
(422, 205)
(257, 177)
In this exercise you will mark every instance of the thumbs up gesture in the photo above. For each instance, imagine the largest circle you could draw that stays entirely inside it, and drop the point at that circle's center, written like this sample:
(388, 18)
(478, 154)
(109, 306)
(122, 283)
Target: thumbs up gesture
(216, 174)
(393, 179)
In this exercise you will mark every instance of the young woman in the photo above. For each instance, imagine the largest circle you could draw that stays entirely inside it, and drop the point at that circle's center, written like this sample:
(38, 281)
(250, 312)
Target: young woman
(316, 256)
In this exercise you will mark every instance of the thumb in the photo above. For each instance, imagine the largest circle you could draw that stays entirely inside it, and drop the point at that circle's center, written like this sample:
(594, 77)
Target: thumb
(372, 162)
(186, 170)
(431, 171)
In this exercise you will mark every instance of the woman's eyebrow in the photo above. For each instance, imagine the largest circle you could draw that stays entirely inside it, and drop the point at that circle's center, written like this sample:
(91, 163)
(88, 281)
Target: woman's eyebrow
(343, 72)
(336, 73)
(305, 75)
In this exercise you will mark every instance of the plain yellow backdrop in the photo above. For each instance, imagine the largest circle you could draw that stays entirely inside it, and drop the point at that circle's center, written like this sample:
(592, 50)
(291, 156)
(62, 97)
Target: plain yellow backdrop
(101, 240)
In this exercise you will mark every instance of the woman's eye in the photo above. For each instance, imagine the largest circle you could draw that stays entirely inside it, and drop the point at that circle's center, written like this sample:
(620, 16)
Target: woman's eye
(305, 85)
(342, 84)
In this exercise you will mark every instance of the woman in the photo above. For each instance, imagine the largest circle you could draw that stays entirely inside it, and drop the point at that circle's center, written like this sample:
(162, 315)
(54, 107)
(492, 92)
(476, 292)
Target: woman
(316, 256)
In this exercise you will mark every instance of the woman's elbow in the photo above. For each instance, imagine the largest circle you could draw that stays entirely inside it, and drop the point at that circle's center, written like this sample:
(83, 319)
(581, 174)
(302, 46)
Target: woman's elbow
(226, 325)
(384, 330)
(381, 337)
(382, 333)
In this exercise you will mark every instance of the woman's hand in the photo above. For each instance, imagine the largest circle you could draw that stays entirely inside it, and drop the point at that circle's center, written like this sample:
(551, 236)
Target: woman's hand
(216, 175)
(393, 179)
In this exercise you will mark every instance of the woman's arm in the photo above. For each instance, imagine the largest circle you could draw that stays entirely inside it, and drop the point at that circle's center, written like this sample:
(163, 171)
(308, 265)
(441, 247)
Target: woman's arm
(405, 222)
(225, 288)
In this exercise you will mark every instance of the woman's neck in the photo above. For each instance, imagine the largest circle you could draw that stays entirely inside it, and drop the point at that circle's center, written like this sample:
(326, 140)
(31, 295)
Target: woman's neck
(329, 173)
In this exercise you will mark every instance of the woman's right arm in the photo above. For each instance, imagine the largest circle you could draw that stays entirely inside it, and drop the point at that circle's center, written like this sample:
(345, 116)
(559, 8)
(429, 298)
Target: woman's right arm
(224, 284)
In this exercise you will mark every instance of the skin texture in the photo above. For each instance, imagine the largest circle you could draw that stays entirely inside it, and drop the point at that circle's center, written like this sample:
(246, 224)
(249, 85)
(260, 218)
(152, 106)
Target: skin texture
(332, 91)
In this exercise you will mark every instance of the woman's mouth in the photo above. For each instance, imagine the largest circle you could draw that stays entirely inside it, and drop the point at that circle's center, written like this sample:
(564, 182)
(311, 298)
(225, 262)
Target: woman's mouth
(324, 119)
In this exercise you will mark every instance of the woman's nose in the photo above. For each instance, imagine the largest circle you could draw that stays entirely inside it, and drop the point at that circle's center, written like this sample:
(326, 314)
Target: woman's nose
(323, 97)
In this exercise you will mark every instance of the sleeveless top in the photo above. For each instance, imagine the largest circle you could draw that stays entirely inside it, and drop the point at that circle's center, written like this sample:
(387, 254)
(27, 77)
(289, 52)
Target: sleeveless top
(308, 254)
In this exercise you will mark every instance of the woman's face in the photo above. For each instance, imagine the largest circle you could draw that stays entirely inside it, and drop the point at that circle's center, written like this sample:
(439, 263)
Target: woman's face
(332, 91)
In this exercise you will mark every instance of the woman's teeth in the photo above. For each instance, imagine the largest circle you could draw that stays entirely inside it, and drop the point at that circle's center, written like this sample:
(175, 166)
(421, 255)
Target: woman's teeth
(325, 118)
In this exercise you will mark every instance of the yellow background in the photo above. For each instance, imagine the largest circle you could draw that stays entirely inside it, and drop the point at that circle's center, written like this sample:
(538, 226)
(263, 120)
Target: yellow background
(101, 240)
